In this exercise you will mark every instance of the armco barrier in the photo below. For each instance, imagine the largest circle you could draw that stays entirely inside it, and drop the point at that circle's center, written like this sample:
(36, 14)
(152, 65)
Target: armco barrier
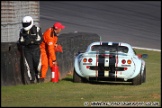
(13, 69)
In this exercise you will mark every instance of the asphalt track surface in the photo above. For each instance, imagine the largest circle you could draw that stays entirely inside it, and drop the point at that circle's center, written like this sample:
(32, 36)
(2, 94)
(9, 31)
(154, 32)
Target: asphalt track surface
(135, 22)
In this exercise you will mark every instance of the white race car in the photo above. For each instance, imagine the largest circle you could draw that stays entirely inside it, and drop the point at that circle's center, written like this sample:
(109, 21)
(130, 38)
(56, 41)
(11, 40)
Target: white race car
(110, 61)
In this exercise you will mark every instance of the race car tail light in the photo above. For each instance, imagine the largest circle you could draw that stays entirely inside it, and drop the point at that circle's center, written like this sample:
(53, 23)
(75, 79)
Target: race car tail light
(90, 60)
(129, 61)
(85, 60)
(123, 61)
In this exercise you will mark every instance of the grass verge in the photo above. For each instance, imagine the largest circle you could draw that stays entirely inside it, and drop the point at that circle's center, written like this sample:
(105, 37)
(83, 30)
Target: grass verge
(65, 93)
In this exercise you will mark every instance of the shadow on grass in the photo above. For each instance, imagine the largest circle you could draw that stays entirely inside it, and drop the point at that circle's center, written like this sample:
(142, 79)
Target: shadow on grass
(99, 82)
(109, 83)
(68, 79)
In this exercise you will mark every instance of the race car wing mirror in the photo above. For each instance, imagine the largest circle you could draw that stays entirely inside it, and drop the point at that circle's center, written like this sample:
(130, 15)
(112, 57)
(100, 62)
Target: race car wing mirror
(144, 56)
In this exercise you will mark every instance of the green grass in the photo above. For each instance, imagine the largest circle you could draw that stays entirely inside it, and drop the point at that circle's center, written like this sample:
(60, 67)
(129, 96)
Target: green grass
(66, 93)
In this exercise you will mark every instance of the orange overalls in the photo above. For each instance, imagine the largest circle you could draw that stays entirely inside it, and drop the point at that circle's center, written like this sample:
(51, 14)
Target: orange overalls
(48, 54)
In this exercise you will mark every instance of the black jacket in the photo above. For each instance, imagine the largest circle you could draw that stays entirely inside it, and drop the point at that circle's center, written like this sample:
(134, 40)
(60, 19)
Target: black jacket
(31, 38)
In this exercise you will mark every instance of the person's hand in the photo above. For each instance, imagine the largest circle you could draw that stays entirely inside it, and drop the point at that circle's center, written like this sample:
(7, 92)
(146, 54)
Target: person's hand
(56, 45)
(54, 63)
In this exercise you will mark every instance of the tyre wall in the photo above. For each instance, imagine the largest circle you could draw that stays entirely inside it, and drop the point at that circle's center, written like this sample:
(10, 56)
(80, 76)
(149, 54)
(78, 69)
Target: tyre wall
(13, 69)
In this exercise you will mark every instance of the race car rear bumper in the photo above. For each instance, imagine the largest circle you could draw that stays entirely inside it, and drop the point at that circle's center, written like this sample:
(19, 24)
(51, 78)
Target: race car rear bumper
(108, 79)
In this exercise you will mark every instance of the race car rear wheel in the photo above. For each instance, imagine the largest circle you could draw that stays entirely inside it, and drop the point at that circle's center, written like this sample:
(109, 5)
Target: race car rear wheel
(144, 75)
(137, 80)
(76, 77)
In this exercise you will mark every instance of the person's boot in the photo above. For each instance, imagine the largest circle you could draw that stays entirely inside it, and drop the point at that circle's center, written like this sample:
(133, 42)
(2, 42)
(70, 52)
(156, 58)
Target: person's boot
(37, 78)
(31, 81)
(41, 80)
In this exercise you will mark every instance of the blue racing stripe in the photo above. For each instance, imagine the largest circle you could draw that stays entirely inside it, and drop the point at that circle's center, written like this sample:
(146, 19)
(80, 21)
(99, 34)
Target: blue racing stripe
(104, 43)
(112, 61)
(101, 64)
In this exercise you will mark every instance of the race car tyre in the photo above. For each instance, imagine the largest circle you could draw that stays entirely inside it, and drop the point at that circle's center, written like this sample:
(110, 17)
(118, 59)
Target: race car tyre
(137, 80)
(144, 75)
(76, 77)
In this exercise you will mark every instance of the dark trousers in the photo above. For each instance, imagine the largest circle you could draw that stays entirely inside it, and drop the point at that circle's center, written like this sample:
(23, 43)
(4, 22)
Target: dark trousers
(32, 57)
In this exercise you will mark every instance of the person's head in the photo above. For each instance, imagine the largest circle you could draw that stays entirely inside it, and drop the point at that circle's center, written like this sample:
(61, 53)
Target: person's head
(27, 23)
(58, 27)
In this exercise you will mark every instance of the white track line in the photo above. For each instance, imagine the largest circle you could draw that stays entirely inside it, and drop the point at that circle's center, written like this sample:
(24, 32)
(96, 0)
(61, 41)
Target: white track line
(147, 49)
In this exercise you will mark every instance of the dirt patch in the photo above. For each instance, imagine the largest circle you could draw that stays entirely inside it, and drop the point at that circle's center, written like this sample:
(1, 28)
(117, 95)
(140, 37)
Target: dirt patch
(155, 95)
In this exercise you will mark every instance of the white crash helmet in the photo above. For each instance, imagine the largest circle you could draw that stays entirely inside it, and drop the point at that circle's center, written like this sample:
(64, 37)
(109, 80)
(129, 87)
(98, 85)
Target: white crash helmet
(27, 23)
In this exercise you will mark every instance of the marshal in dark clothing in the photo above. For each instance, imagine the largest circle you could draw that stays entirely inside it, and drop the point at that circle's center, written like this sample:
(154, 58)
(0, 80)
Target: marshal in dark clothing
(30, 38)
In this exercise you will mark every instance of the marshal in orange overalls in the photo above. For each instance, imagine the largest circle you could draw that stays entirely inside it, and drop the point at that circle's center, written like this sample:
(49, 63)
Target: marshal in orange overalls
(47, 50)
(48, 54)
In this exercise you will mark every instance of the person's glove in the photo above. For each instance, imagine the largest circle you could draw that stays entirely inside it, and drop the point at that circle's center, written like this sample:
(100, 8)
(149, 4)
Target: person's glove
(54, 62)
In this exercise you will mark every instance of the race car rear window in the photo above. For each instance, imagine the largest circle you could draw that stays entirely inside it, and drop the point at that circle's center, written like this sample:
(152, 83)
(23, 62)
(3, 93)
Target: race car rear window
(110, 48)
